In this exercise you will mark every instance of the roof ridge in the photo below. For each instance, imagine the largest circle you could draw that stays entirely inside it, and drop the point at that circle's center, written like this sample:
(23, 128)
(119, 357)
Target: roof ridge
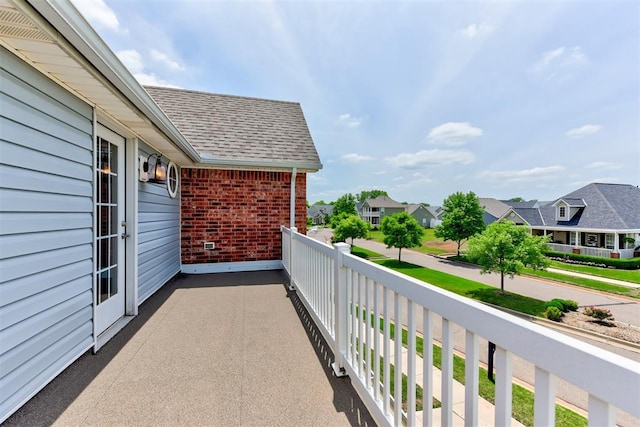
(226, 95)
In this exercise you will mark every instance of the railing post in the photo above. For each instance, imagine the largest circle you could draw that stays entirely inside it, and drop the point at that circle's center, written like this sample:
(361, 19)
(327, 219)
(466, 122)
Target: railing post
(292, 281)
(341, 308)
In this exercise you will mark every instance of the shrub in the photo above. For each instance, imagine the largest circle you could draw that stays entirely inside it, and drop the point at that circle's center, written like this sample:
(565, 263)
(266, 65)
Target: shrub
(564, 305)
(553, 313)
(598, 313)
(555, 303)
(623, 264)
(569, 305)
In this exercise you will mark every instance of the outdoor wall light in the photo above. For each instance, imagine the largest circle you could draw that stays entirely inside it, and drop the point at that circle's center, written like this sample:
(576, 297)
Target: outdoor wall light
(158, 173)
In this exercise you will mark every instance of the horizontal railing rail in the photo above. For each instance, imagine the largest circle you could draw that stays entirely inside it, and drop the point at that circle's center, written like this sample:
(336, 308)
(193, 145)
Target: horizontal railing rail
(354, 303)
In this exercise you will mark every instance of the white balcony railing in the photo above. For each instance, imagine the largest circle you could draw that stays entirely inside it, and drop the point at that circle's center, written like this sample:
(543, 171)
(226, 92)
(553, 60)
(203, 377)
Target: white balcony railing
(337, 288)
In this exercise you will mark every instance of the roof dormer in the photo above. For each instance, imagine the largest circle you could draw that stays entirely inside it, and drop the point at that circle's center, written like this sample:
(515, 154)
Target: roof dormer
(567, 208)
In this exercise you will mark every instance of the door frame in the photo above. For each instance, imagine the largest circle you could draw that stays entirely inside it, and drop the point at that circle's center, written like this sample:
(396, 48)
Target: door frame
(130, 200)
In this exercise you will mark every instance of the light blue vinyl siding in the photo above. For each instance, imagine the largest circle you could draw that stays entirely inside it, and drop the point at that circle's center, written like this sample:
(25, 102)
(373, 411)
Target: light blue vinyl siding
(158, 235)
(46, 230)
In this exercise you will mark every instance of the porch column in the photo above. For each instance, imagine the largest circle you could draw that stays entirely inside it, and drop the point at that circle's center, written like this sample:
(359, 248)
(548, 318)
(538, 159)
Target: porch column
(577, 239)
(616, 242)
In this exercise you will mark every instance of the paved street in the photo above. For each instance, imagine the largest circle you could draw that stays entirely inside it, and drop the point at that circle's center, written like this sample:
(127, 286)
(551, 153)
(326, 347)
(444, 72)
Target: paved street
(624, 309)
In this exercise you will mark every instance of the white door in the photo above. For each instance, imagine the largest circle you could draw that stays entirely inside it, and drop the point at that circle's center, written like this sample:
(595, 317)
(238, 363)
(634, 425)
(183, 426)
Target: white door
(110, 229)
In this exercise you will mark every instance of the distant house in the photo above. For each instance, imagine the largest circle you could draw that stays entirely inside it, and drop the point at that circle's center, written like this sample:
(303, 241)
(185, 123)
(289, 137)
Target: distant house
(373, 210)
(493, 209)
(597, 219)
(109, 189)
(427, 216)
(319, 213)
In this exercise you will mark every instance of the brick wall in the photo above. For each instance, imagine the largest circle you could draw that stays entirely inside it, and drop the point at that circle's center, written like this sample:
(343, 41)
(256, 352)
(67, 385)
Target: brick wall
(240, 211)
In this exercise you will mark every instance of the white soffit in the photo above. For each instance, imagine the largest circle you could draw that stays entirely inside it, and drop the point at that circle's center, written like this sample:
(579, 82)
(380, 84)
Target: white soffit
(26, 34)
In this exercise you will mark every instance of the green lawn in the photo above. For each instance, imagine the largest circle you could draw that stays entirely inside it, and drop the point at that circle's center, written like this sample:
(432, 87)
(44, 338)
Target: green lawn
(427, 240)
(632, 276)
(365, 253)
(469, 288)
(585, 283)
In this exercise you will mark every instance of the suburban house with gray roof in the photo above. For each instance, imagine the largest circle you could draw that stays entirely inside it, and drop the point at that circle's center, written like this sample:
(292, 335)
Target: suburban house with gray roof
(427, 216)
(598, 219)
(108, 190)
(374, 209)
(319, 213)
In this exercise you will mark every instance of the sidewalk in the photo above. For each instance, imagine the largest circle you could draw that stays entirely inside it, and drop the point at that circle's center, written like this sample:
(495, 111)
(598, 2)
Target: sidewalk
(598, 278)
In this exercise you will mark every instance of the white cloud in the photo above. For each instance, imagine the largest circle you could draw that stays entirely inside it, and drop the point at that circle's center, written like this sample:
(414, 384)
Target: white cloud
(453, 133)
(583, 131)
(164, 59)
(476, 30)
(431, 157)
(316, 179)
(533, 174)
(350, 121)
(98, 14)
(131, 59)
(356, 158)
(558, 64)
(379, 172)
(604, 166)
(134, 63)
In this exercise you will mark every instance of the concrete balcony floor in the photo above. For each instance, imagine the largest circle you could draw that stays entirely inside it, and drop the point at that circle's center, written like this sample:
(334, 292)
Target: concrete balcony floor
(230, 349)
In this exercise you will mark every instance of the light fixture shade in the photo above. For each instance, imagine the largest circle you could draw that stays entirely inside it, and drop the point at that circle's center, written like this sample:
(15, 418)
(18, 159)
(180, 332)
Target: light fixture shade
(157, 174)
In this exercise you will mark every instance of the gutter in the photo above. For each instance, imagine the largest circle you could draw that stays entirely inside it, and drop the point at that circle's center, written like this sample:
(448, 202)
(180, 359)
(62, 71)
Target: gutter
(209, 160)
(292, 208)
(72, 26)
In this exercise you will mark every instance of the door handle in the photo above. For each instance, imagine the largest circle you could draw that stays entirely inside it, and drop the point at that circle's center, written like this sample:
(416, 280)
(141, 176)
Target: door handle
(124, 235)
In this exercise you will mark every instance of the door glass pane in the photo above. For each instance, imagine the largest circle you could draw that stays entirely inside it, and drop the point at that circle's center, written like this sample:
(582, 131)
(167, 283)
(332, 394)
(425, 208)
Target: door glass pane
(107, 222)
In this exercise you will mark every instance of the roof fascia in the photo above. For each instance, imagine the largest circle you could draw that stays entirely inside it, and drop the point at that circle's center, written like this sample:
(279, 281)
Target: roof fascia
(587, 230)
(72, 26)
(227, 163)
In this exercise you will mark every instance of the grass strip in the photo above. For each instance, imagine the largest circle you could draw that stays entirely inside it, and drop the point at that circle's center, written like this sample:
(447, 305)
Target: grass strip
(585, 283)
(366, 253)
(468, 288)
(632, 276)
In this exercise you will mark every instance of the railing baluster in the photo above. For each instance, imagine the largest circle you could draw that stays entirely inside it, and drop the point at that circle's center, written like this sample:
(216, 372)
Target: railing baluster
(447, 373)
(367, 343)
(411, 364)
(387, 352)
(600, 412)
(397, 337)
(427, 368)
(544, 413)
(354, 318)
(471, 379)
(504, 371)
(376, 341)
(361, 334)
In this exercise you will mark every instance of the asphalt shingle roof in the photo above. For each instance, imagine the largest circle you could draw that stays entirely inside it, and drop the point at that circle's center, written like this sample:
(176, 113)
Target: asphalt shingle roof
(383, 202)
(240, 129)
(608, 206)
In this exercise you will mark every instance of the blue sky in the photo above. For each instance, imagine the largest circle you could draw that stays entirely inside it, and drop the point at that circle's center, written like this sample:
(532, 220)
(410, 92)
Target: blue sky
(421, 99)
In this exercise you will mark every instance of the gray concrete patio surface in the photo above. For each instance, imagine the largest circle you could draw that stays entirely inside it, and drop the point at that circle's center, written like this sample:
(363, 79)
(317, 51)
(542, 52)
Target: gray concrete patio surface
(228, 349)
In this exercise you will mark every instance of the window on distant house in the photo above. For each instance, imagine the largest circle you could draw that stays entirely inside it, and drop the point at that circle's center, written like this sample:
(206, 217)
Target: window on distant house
(609, 240)
(572, 238)
(562, 212)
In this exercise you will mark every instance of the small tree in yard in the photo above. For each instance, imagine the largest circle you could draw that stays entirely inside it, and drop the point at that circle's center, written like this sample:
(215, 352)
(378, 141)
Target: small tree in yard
(351, 227)
(507, 248)
(463, 218)
(401, 230)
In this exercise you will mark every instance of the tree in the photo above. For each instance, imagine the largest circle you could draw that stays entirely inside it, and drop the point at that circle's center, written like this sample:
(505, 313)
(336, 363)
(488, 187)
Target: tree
(371, 194)
(401, 230)
(507, 248)
(516, 199)
(463, 218)
(351, 227)
(345, 204)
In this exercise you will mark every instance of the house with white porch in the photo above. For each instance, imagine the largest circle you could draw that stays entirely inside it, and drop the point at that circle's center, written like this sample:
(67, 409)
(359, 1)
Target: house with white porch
(374, 209)
(598, 219)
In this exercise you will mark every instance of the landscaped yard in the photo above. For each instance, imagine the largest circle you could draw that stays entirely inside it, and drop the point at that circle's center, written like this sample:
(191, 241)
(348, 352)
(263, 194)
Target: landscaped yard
(430, 243)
